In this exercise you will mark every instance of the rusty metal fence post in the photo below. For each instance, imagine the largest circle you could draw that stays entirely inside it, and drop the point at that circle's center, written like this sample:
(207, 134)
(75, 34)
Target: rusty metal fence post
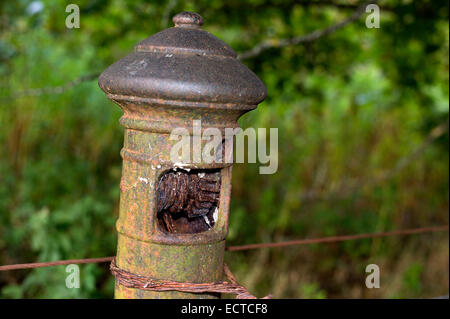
(173, 216)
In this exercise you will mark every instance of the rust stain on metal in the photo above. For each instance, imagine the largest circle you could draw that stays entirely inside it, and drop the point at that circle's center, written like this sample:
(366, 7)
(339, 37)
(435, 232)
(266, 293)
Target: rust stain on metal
(173, 226)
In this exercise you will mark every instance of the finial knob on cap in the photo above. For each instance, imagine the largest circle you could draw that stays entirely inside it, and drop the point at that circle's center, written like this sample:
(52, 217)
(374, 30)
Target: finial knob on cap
(188, 19)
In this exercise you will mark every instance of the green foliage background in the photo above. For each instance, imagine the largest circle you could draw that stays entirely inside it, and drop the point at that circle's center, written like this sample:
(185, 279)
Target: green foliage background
(348, 106)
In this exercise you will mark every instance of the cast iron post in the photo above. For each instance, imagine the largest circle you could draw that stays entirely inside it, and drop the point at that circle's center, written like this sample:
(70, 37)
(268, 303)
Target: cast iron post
(173, 216)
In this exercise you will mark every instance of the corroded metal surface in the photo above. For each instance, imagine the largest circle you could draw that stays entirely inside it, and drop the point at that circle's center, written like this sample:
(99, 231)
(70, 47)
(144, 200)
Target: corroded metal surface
(184, 63)
(174, 77)
(197, 263)
(188, 202)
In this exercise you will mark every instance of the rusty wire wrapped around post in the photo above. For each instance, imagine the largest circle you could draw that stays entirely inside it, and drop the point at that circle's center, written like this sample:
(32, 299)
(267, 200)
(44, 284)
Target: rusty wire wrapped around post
(231, 286)
(173, 216)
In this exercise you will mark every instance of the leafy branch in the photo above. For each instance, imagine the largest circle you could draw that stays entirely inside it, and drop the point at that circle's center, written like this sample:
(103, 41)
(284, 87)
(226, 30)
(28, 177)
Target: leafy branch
(255, 51)
(313, 36)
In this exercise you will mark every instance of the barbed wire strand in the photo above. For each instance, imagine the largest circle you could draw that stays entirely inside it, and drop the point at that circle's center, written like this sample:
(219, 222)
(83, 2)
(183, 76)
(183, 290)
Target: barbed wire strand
(247, 247)
(57, 263)
(335, 239)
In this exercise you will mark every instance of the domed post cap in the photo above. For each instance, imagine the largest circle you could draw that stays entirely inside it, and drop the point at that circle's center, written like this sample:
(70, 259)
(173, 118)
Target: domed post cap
(183, 63)
(188, 19)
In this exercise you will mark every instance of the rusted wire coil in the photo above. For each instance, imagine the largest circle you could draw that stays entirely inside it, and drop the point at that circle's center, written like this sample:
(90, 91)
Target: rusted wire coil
(187, 200)
(131, 280)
